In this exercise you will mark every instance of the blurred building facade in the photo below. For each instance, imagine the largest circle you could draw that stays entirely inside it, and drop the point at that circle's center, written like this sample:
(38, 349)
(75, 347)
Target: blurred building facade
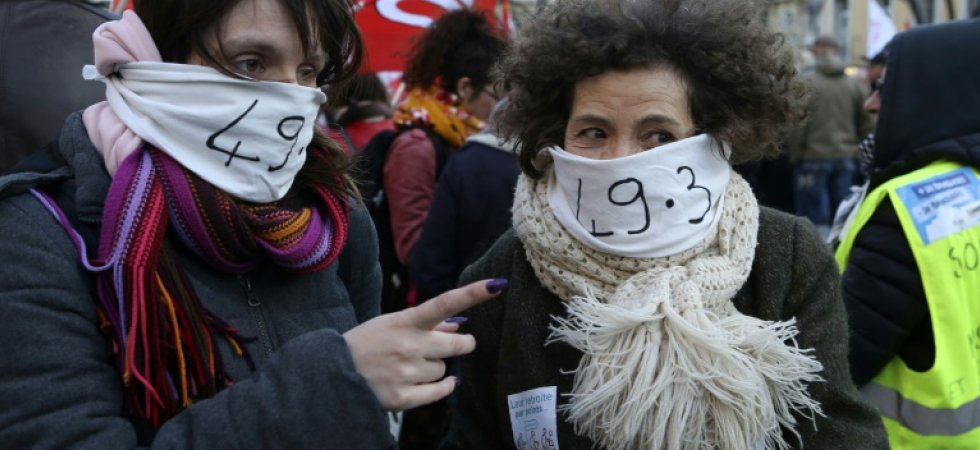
(801, 21)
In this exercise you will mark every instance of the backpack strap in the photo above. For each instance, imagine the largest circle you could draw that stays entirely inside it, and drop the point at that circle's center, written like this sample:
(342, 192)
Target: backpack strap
(371, 162)
(441, 147)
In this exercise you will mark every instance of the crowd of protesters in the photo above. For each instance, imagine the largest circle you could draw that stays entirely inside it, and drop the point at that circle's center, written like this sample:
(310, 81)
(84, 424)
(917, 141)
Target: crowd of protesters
(633, 225)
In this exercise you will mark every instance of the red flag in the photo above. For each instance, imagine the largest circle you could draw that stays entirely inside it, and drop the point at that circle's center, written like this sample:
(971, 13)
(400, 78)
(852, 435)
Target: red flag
(389, 27)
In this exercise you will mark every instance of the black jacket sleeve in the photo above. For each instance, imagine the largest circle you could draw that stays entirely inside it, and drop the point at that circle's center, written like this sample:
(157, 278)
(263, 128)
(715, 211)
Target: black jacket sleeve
(884, 297)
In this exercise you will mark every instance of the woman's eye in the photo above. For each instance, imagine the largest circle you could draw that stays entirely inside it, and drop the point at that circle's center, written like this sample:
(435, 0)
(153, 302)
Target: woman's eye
(660, 137)
(592, 133)
(249, 66)
(307, 75)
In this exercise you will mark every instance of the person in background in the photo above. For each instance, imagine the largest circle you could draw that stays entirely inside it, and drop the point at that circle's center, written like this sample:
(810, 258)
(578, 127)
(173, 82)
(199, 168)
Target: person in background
(876, 76)
(652, 303)
(865, 153)
(822, 148)
(908, 252)
(188, 266)
(470, 211)
(55, 35)
(873, 73)
(362, 110)
(771, 180)
(449, 93)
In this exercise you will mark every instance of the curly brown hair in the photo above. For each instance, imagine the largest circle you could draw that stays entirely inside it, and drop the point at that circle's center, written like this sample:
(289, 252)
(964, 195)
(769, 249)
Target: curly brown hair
(742, 84)
(459, 44)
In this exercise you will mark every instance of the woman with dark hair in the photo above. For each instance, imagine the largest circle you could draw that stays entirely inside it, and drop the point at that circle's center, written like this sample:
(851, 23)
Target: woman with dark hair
(190, 266)
(450, 94)
(653, 304)
(362, 110)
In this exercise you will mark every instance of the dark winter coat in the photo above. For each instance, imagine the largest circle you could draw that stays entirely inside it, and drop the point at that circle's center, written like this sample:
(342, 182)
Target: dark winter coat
(58, 385)
(470, 211)
(836, 120)
(793, 275)
(43, 46)
(930, 110)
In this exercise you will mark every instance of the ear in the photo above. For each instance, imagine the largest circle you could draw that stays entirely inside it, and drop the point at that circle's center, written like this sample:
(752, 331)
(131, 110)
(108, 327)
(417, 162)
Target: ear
(464, 88)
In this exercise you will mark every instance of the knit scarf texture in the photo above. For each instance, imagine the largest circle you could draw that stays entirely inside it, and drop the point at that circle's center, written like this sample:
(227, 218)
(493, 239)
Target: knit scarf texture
(668, 362)
(165, 340)
(437, 109)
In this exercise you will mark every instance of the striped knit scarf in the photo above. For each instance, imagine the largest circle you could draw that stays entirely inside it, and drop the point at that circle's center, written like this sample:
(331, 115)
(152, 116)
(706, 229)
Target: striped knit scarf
(163, 337)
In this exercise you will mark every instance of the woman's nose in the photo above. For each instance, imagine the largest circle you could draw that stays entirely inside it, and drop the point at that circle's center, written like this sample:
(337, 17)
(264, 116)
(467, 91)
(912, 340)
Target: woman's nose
(623, 148)
(283, 75)
(288, 79)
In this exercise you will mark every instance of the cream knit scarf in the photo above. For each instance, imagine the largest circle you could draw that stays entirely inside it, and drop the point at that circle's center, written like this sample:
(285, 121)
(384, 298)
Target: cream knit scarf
(669, 363)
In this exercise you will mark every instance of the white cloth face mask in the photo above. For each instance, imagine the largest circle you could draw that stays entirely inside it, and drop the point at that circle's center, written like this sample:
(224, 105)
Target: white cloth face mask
(655, 203)
(247, 138)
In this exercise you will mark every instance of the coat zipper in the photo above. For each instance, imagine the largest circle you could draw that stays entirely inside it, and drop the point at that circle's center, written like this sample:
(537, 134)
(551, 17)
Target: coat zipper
(256, 306)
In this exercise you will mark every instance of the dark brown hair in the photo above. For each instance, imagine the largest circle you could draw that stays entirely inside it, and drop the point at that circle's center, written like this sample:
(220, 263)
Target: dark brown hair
(742, 85)
(365, 96)
(180, 28)
(459, 44)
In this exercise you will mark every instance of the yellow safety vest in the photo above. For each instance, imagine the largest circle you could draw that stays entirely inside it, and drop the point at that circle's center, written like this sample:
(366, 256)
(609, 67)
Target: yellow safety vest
(939, 209)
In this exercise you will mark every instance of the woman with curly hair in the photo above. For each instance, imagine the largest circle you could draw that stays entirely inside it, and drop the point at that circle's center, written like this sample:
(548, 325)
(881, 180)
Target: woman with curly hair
(653, 304)
(449, 98)
(187, 265)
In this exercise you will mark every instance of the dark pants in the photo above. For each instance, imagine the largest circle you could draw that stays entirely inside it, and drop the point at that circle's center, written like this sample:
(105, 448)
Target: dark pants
(820, 186)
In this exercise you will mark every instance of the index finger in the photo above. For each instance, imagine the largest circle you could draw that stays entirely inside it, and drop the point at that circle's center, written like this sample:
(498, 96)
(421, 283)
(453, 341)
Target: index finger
(433, 312)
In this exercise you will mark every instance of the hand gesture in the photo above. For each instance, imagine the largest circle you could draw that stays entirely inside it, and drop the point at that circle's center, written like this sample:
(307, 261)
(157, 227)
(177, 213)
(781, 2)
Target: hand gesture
(400, 354)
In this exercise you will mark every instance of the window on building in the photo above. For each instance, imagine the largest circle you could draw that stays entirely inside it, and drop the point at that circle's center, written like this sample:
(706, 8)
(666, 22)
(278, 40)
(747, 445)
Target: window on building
(928, 11)
(842, 27)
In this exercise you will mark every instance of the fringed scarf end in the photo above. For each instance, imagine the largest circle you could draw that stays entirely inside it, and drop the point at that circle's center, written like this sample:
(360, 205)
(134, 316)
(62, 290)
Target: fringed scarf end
(682, 378)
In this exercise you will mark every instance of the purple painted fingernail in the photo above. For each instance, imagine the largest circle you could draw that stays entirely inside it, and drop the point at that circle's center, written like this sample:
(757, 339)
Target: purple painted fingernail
(458, 381)
(496, 285)
(457, 320)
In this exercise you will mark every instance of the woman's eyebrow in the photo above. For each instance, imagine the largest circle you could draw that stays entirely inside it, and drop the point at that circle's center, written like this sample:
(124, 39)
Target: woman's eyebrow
(657, 119)
(248, 42)
(590, 119)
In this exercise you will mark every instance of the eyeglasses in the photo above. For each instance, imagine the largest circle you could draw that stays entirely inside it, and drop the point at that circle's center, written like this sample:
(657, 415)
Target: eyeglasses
(876, 85)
